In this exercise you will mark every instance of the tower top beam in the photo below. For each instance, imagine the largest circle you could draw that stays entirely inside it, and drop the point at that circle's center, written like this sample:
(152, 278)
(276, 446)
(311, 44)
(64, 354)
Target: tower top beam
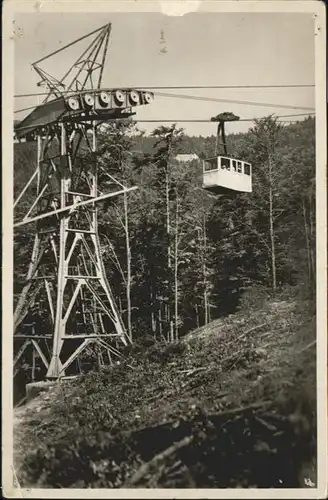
(106, 26)
(90, 60)
(78, 97)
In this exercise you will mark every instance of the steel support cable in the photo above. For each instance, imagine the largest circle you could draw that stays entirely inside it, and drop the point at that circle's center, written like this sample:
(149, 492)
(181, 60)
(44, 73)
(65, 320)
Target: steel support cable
(234, 101)
(210, 121)
(249, 103)
(192, 87)
(204, 98)
(136, 120)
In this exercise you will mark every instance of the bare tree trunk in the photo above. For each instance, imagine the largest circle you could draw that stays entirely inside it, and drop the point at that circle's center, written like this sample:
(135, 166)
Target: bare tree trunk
(167, 322)
(197, 315)
(152, 313)
(307, 242)
(205, 271)
(153, 324)
(312, 239)
(100, 359)
(160, 319)
(273, 252)
(33, 363)
(128, 266)
(176, 285)
(169, 263)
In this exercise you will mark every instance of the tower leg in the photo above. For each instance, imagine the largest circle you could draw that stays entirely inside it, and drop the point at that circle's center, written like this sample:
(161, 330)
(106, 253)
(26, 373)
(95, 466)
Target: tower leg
(82, 309)
(55, 366)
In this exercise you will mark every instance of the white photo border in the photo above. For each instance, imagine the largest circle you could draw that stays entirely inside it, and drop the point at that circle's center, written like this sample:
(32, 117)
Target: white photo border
(315, 8)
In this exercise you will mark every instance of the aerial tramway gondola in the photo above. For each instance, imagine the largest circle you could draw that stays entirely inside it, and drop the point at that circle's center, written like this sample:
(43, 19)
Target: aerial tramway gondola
(223, 174)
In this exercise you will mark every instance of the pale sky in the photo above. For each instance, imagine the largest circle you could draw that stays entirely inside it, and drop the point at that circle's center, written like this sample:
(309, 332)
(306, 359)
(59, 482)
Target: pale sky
(201, 49)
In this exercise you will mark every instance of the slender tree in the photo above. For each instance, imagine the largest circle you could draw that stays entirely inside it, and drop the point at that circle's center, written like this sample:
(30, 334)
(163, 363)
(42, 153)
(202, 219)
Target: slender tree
(167, 139)
(267, 132)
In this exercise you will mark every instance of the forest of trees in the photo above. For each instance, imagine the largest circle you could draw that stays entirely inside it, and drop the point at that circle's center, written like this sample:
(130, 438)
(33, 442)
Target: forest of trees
(178, 257)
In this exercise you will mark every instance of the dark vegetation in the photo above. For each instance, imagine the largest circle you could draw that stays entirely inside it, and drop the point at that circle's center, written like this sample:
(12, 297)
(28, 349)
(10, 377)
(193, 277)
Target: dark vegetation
(192, 256)
(233, 403)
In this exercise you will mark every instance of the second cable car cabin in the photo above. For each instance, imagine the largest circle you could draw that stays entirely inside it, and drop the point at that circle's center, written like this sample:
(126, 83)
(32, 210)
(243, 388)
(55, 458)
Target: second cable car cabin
(221, 173)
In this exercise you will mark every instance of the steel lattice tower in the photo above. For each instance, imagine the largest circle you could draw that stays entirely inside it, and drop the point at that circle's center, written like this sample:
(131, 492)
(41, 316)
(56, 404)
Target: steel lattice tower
(66, 285)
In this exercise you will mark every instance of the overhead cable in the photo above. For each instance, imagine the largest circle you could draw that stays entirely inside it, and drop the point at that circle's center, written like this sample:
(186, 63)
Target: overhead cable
(191, 87)
(234, 101)
(210, 121)
(212, 99)
(136, 120)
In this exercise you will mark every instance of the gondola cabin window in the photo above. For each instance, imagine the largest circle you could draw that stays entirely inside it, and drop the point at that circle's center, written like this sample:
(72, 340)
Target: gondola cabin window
(223, 175)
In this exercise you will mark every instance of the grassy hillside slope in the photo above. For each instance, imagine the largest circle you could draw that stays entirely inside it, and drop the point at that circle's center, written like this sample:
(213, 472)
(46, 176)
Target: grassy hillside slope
(232, 405)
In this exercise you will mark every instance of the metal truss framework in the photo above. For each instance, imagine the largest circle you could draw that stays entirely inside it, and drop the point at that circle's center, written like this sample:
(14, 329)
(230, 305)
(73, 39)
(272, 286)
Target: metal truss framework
(67, 304)
(87, 70)
(66, 280)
